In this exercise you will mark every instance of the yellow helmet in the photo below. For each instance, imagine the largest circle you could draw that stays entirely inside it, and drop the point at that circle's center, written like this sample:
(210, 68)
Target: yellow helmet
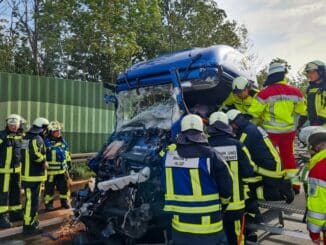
(55, 125)
(192, 121)
(218, 116)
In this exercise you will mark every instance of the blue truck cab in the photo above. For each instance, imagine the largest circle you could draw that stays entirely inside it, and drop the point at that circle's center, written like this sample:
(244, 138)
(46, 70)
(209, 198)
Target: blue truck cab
(150, 99)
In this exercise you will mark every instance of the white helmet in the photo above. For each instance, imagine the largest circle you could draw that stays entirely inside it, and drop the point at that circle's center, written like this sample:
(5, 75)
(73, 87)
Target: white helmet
(192, 121)
(218, 116)
(240, 83)
(316, 137)
(55, 125)
(14, 119)
(232, 114)
(306, 132)
(41, 122)
(315, 65)
(276, 67)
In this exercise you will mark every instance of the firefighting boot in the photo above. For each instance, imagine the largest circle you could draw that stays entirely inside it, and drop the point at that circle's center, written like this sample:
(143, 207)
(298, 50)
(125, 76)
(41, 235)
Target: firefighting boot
(16, 215)
(65, 204)
(32, 229)
(4, 221)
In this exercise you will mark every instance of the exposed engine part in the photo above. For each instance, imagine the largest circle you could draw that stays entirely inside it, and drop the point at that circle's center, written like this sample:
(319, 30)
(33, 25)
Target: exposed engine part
(113, 149)
(120, 183)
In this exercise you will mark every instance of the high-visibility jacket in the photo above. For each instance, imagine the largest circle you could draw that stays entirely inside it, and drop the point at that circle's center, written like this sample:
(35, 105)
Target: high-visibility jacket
(240, 164)
(10, 152)
(316, 202)
(235, 102)
(316, 100)
(57, 155)
(33, 158)
(277, 107)
(192, 195)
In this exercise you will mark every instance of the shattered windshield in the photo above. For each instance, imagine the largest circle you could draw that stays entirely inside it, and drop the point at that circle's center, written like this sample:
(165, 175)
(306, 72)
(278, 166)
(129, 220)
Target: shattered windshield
(149, 107)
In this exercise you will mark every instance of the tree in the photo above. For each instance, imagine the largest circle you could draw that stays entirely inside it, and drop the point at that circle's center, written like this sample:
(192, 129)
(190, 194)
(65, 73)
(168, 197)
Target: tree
(200, 23)
(94, 40)
(263, 73)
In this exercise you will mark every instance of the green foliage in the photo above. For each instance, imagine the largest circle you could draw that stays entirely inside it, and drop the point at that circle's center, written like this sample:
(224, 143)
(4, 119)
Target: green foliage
(94, 40)
(299, 79)
(200, 23)
(80, 170)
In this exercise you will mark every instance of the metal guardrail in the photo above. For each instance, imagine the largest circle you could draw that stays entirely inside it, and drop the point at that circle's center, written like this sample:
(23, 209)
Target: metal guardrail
(82, 157)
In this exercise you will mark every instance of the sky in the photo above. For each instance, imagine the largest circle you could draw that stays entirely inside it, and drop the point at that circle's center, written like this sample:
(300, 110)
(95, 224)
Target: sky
(294, 30)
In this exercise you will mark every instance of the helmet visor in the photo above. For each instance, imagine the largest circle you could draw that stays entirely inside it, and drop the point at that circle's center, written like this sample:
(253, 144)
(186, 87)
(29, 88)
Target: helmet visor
(13, 121)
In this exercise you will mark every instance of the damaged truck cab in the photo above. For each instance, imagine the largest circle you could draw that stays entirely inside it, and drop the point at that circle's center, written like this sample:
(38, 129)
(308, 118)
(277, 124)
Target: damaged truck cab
(150, 99)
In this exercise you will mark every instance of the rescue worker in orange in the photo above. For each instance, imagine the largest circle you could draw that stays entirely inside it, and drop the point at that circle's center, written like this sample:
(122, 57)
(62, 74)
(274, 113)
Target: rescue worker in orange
(276, 107)
(316, 201)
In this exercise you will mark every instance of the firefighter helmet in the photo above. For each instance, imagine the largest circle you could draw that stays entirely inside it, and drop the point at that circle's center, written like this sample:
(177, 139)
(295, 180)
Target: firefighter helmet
(55, 125)
(316, 65)
(218, 116)
(275, 68)
(318, 136)
(233, 114)
(14, 119)
(41, 122)
(240, 83)
(192, 121)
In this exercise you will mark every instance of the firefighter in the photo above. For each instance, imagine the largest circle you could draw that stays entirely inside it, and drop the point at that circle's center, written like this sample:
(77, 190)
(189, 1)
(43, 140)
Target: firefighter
(10, 168)
(277, 107)
(197, 183)
(316, 92)
(33, 172)
(239, 161)
(316, 201)
(265, 157)
(241, 96)
(58, 158)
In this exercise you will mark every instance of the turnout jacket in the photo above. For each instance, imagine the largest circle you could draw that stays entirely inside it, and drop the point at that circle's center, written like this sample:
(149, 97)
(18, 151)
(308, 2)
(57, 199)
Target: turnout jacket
(234, 102)
(10, 152)
(57, 155)
(240, 164)
(263, 153)
(277, 106)
(316, 100)
(197, 181)
(316, 201)
(33, 158)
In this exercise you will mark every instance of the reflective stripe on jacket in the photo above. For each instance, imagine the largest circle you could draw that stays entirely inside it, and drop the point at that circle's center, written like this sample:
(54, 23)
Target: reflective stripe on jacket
(262, 151)
(33, 158)
(240, 165)
(316, 100)
(10, 152)
(277, 107)
(191, 194)
(316, 201)
(57, 156)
